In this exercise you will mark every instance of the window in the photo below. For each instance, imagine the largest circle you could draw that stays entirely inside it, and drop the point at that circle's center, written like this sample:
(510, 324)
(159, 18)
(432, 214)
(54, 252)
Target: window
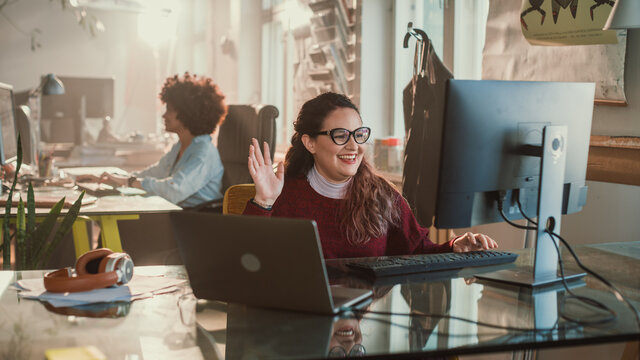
(456, 30)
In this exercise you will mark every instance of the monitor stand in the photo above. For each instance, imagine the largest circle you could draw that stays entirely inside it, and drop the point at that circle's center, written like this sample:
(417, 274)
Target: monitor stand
(550, 193)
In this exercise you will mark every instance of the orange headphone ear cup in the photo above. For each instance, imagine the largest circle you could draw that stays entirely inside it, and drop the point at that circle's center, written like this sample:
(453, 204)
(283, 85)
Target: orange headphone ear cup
(81, 263)
(60, 281)
(105, 261)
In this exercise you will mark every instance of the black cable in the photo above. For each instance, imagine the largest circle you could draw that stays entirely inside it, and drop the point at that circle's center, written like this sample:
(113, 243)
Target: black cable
(389, 322)
(451, 317)
(522, 212)
(583, 299)
(618, 294)
(512, 223)
(501, 196)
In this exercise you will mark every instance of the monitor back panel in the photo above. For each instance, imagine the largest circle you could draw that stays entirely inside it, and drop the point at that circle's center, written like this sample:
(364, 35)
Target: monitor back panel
(487, 124)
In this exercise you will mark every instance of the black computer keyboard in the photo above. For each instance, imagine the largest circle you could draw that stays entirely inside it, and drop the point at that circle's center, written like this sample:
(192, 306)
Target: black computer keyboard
(400, 265)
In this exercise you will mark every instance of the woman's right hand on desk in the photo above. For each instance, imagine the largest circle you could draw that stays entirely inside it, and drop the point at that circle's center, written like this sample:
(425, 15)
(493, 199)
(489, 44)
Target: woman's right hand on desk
(87, 178)
(268, 183)
(113, 179)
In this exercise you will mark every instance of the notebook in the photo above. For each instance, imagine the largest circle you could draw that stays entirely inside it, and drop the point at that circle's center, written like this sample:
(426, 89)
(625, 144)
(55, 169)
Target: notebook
(259, 261)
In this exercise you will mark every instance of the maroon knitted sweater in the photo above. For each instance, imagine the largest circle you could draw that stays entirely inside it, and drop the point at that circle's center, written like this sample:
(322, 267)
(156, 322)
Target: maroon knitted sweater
(299, 200)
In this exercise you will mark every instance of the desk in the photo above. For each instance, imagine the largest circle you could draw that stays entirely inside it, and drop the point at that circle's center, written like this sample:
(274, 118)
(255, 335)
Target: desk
(237, 331)
(151, 326)
(107, 210)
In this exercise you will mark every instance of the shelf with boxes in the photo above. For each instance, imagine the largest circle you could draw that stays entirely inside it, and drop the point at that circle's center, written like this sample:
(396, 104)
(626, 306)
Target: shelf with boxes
(332, 54)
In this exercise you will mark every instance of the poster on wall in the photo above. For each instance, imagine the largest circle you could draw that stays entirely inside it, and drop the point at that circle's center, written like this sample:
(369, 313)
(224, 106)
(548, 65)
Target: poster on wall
(566, 22)
(507, 55)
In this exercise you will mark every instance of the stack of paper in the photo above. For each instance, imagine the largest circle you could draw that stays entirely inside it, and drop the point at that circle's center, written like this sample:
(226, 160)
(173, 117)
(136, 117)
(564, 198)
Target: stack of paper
(139, 287)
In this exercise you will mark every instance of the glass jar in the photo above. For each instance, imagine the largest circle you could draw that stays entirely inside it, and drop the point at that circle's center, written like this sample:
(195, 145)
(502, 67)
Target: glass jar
(394, 154)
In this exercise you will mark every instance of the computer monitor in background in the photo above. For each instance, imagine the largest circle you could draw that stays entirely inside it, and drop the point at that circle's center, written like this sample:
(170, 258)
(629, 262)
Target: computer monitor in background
(491, 154)
(9, 143)
(63, 116)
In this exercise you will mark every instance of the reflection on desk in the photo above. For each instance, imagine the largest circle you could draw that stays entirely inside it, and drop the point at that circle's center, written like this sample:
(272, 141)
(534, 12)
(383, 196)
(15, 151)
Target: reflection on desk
(238, 331)
(152, 328)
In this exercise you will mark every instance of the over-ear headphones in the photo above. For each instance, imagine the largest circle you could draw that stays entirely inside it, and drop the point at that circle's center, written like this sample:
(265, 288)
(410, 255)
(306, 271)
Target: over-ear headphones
(95, 269)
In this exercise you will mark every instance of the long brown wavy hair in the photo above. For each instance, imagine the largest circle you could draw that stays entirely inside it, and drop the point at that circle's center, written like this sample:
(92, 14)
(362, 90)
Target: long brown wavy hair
(198, 102)
(370, 208)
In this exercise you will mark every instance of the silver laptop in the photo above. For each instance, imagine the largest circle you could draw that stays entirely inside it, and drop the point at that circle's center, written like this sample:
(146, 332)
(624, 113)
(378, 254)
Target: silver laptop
(259, 261)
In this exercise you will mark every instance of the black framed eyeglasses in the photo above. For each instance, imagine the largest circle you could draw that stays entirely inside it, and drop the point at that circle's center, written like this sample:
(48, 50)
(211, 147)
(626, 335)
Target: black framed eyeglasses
(339, 352)
(340, 136)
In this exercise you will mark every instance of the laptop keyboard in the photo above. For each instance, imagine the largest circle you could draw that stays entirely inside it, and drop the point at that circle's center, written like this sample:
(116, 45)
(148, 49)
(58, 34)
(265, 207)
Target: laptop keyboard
(410, 264)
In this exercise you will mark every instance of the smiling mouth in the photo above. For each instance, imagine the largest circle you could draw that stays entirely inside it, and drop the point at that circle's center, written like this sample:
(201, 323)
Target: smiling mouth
(350, 157)
(345, 332)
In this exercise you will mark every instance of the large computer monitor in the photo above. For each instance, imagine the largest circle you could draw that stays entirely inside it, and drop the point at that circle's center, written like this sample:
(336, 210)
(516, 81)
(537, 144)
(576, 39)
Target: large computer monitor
(491, 153)
(8, 138)
(63, 115)
(485, 132)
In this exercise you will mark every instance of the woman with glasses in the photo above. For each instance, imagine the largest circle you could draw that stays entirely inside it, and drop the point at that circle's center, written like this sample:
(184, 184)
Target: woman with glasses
(326, 178)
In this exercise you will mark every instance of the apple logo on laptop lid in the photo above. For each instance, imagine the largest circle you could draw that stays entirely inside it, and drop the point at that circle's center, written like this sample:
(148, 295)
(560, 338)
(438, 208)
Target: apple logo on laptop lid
(250, 262)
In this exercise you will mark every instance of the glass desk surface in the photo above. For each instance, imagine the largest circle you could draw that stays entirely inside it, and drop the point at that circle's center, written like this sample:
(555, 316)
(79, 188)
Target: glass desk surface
(453, 308)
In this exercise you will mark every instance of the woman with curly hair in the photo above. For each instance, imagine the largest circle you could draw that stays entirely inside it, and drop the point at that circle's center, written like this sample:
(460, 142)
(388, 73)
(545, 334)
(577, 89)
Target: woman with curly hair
(191, 172)
(326, 178)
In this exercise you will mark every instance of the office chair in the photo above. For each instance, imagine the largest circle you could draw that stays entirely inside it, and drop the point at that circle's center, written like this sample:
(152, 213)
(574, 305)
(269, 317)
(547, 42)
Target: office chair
(242, 123)
(236, 197)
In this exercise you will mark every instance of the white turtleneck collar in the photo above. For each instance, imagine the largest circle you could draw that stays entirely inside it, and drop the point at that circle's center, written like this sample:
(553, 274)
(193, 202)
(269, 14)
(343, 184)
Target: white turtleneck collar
(324, 187)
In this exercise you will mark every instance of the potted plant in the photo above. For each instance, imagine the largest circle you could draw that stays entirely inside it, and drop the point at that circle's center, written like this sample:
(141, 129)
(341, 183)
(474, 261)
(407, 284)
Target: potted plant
(34, 242)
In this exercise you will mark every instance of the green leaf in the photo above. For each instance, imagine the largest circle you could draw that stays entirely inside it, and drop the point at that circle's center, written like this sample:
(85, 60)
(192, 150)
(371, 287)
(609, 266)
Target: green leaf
(18, 160)
(6, 236)
(63, 230)
(40, 236)
(21, 253)
(31, 217)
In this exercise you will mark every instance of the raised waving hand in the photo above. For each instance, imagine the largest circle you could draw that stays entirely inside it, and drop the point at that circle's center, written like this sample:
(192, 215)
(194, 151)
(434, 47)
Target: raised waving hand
(268, 183)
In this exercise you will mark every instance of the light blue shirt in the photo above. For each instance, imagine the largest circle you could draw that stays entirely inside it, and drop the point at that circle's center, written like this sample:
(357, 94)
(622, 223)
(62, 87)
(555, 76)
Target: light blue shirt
(194, 179)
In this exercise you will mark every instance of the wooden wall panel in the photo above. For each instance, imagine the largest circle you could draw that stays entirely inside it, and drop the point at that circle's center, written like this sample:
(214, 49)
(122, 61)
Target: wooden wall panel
(614, 159)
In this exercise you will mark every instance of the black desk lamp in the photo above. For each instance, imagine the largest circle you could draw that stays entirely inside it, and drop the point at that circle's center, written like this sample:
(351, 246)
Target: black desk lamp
(49, 85)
